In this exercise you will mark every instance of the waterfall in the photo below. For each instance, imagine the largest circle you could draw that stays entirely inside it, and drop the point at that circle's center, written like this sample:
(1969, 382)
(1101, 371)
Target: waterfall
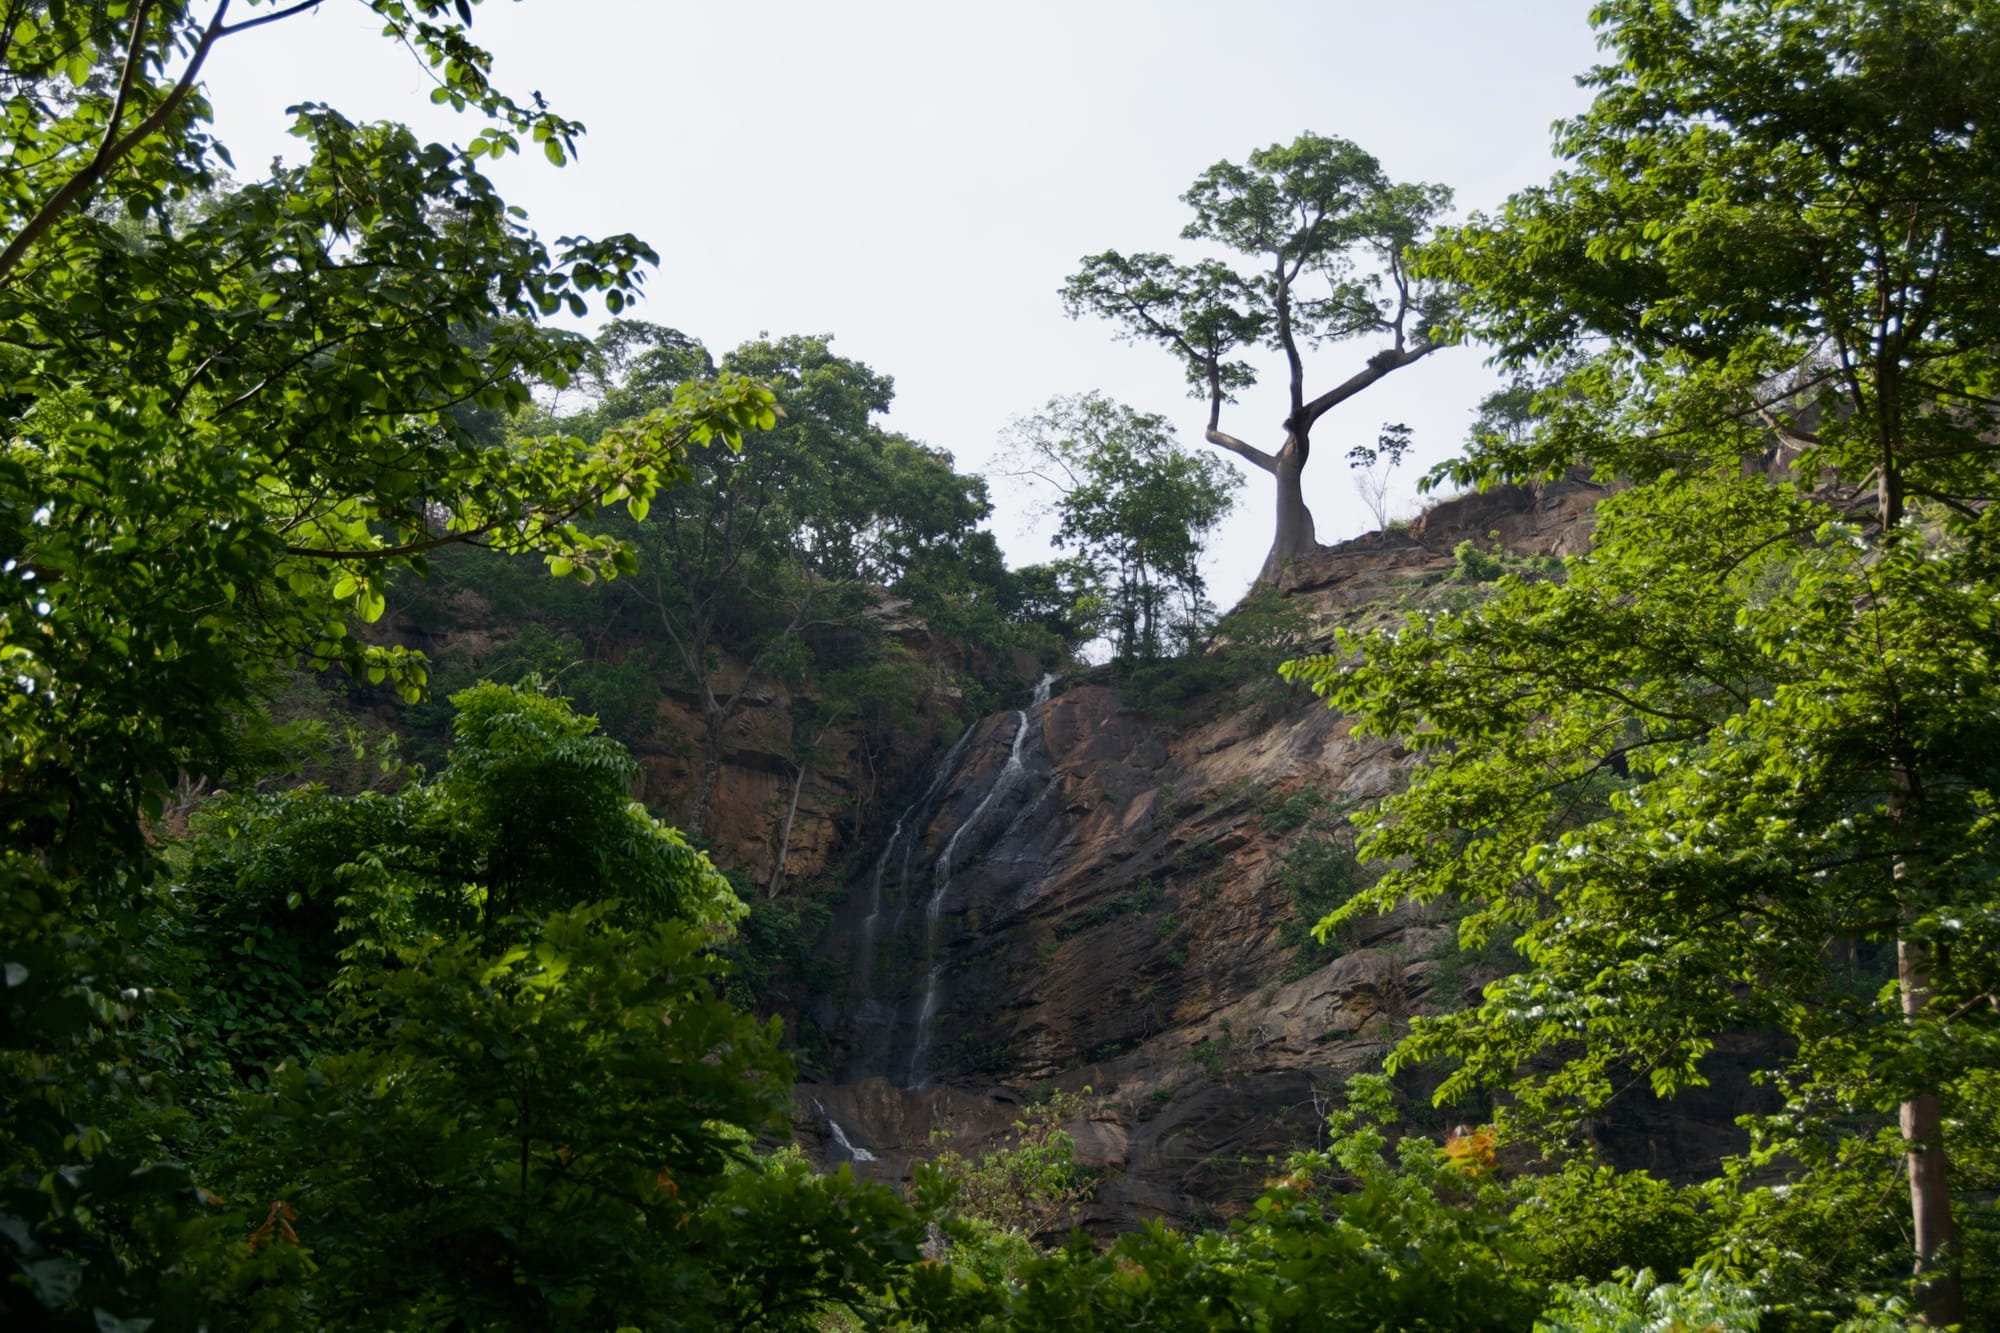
(870, 924)
(865, 957)
(840, 1139)
(941, 877)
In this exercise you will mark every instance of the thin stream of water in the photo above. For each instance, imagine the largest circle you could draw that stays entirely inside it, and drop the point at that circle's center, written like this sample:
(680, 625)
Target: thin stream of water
(941, 876)
(840, 1139)
(871, 923)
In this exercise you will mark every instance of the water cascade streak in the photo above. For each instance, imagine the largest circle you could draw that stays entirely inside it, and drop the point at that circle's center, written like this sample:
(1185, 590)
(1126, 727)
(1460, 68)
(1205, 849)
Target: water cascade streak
(941, 874)
(870, 924)
(864, 959)
(840, 1139)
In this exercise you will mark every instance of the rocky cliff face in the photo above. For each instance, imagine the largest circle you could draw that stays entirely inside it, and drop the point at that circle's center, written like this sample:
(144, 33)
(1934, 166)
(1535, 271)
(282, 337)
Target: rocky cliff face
(841, 786)
(1083, 891)
(1080, 895)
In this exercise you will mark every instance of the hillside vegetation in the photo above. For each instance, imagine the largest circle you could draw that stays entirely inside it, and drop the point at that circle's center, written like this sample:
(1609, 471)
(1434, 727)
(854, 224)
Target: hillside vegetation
(468, 785)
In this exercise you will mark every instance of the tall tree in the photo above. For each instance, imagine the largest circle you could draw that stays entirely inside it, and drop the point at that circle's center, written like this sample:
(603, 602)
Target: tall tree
(1782, 223)
(521, 1101)
(94, 112)
(1677, 778)
(1135, 506)
(225, 418)
(227, 423)
(764, 552)
(1326, 240)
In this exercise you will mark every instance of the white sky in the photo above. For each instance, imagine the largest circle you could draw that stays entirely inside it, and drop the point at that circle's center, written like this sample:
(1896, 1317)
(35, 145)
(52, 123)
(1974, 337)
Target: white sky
(918, 177)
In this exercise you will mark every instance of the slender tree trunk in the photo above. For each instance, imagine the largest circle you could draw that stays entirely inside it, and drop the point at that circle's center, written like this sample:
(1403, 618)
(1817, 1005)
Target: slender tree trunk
(1935, 1230)
(785, 831)
(713, 719)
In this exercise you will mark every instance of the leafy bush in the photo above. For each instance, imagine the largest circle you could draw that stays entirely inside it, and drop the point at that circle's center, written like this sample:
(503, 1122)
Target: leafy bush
(1029, 1187)
(774, 946)
(1586, 1223)
(1637, 1304)
(1472, 565)
(482, 1070)
(1359, 1236)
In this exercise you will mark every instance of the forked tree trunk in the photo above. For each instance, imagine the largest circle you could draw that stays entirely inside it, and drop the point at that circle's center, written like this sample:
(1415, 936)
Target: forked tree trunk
(1295, 537)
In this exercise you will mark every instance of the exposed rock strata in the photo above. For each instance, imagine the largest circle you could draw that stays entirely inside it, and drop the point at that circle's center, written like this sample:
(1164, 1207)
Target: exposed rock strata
(1114, 920)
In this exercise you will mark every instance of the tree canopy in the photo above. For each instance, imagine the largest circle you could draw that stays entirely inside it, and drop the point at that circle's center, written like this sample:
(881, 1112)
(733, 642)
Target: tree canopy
(460, 1051)
(1779, 230)
(228, 414)
(1136, 507)
(516, 1095)
(1732, 774)
(1325, 241)
(781, 555)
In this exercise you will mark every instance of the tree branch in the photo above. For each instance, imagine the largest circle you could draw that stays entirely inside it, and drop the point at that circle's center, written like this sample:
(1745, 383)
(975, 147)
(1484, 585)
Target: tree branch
(135, 57)
(1245, 451)
(109, 154)
(1294, 364)
(261, 20)
(1384, 363)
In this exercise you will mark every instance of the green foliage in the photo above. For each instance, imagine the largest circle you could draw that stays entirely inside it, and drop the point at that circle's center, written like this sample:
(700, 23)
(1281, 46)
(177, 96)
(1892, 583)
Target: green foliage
(1361, 1236)
(1316, 205)
(1136, 507)
(1029, 1187)
(1293, 216)
(786, 1248)
(1586, 1222)
(1651, 776)
(1827, 1237)
(1374, 465)
(1637, 1303)
(1295, 810)
(773, 947)
(455, 1013)
(1054, 607)
(1240, 662)
(459, 1050)
(530, 814)
(493, 1137)
(1750, 267)
(1318, 871)
(1472, 565)
(1419, 1243)
(227, 416)
(514, 1095)
(300, 729)
(1264, 631)
(787, 563)
(1742, 764)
